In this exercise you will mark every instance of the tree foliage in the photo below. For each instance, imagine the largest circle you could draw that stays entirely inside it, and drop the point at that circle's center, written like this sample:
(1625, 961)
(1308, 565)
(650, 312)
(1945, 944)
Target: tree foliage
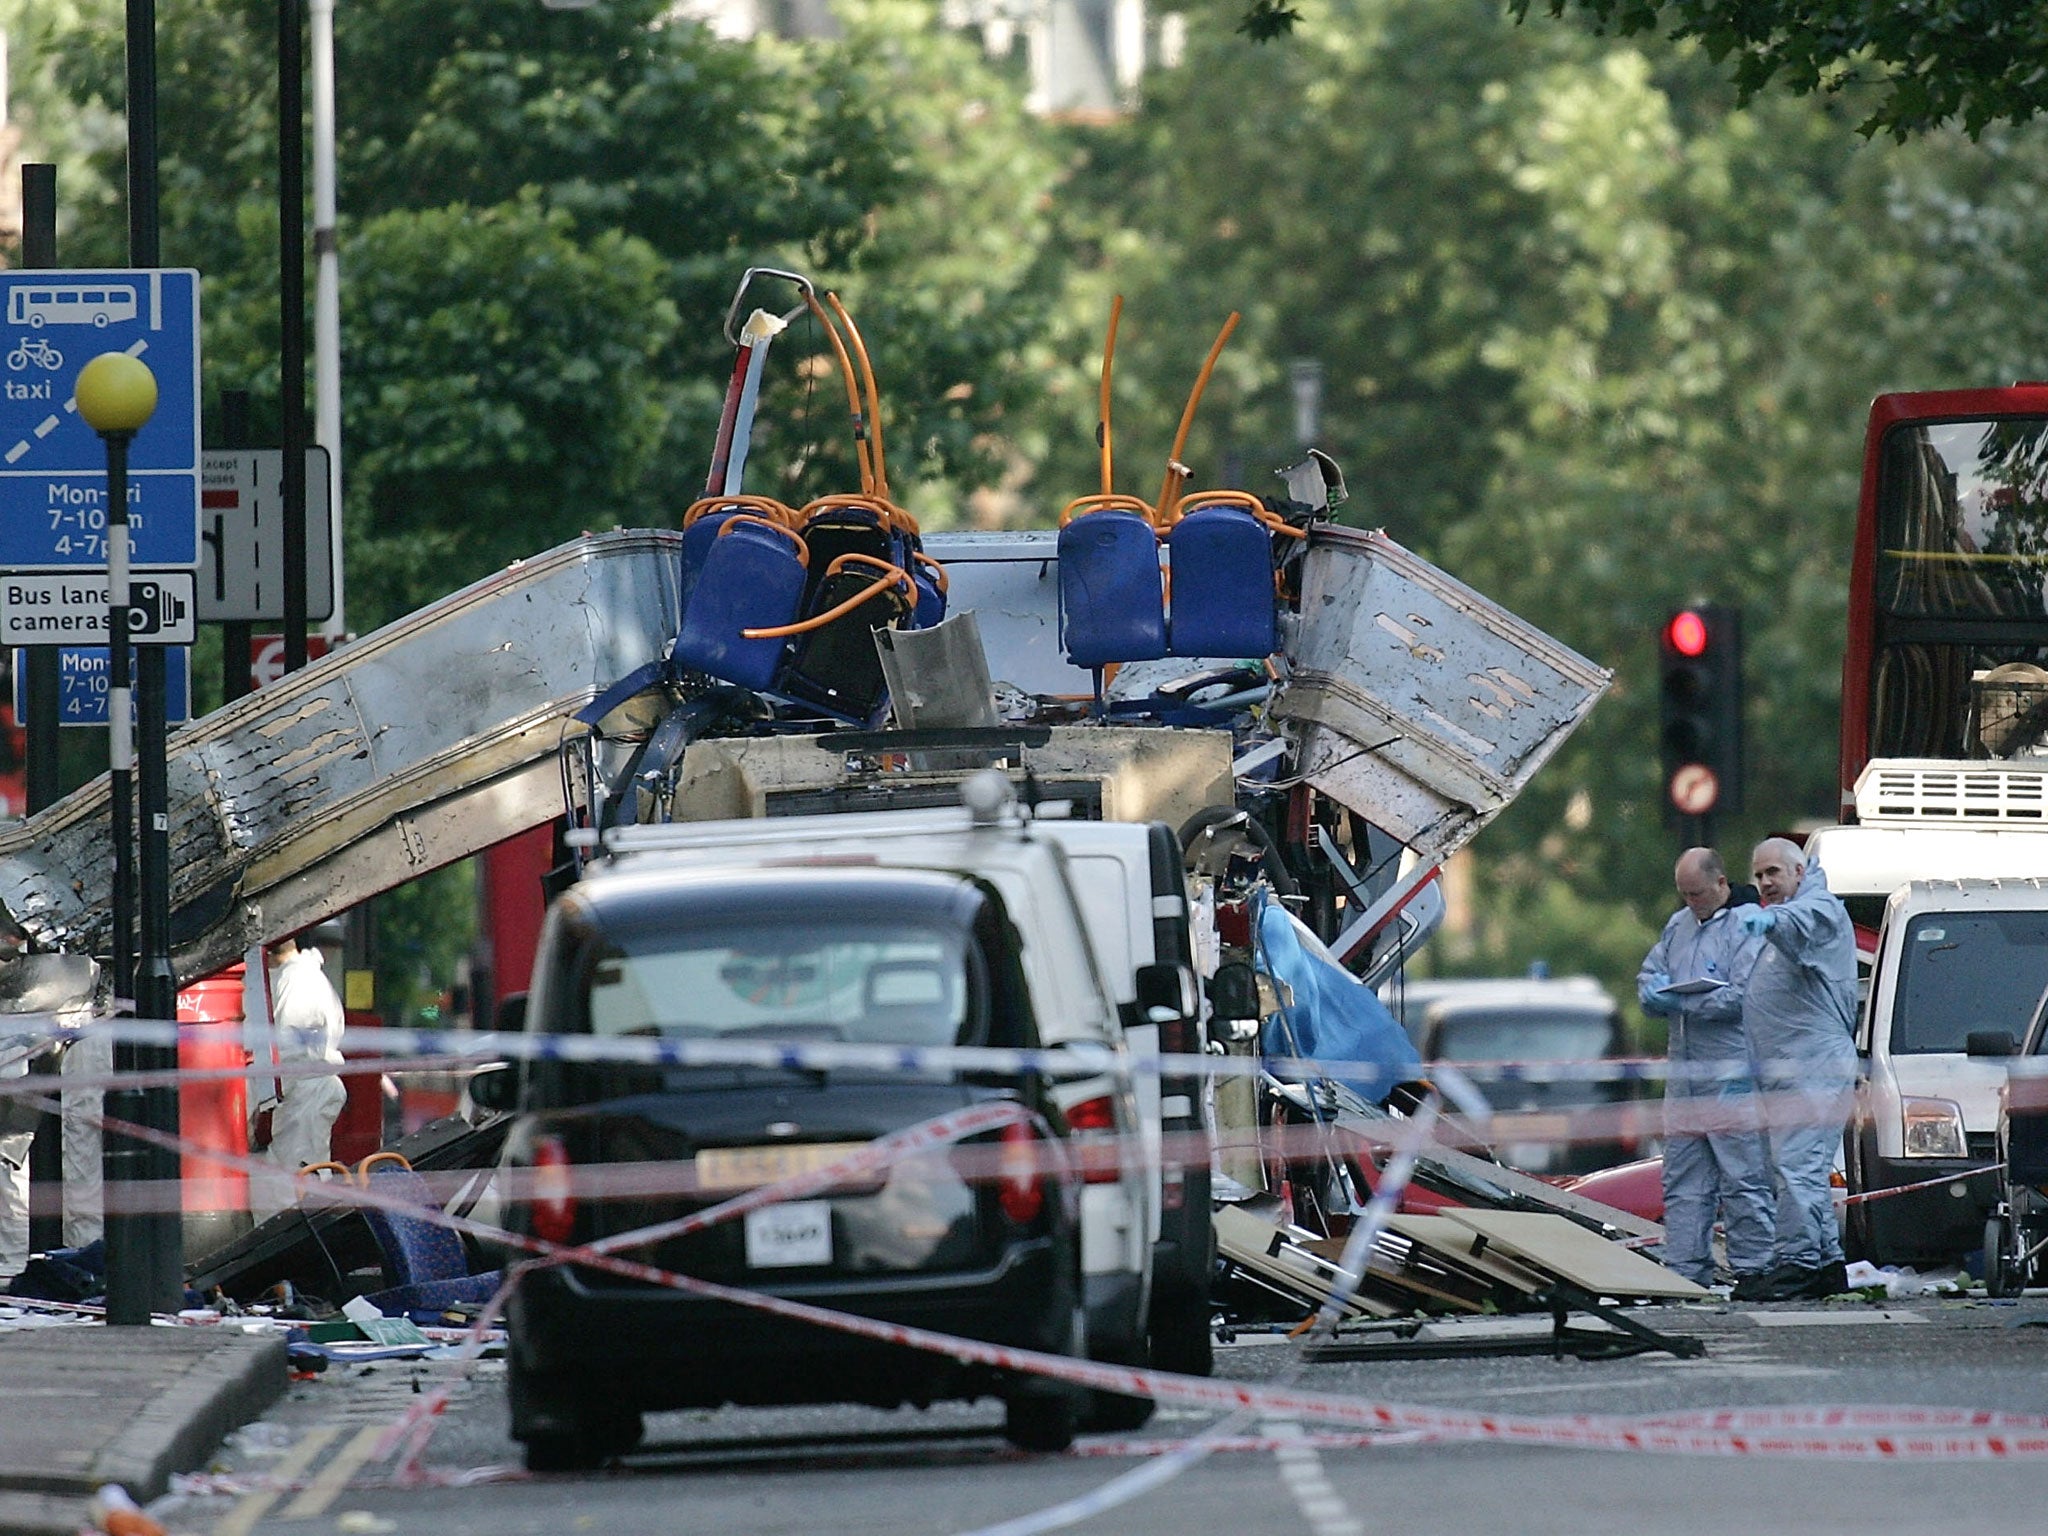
(1921, 63)
(1598, 340)
(543, 215)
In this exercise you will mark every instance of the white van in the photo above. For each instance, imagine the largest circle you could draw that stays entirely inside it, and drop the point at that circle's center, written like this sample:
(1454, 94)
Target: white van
(1955, 958)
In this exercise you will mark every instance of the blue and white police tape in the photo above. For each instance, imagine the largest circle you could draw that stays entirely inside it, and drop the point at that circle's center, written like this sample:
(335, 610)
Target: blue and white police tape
(1080, 1058)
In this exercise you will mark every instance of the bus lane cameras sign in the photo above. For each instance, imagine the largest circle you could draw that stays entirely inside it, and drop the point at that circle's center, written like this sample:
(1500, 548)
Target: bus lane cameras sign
(53, 466)
(37, 608)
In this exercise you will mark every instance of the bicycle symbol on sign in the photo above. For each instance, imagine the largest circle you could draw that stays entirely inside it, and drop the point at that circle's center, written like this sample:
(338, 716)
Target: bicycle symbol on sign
(38, 351)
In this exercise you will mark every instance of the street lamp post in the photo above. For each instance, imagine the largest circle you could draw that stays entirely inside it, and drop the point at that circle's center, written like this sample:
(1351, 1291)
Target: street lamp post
(116, 395)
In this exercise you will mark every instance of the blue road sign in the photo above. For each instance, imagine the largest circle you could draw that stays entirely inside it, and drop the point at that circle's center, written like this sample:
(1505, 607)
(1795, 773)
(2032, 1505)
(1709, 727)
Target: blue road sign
(83, 675)
(53, 467)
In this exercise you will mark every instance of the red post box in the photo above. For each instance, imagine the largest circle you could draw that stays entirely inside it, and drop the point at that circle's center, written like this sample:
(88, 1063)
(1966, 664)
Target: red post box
(213, 1113)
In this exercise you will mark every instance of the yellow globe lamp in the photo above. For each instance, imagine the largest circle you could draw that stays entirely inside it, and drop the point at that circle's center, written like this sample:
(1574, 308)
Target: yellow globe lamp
(116, 394)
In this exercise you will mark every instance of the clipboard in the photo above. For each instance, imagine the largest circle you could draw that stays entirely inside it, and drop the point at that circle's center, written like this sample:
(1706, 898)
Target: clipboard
(1699, 986)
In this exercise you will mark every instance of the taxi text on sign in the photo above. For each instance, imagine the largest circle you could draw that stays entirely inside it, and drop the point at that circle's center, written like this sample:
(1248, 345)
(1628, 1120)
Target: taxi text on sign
(53, 467)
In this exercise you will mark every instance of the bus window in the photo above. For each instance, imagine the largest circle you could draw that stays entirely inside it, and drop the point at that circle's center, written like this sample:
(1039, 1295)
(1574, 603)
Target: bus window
(1950, 581)
(1963, 519)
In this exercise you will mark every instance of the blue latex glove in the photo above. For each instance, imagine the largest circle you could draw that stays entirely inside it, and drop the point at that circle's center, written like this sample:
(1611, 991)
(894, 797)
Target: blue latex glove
(1757, 920)
(1660, 981)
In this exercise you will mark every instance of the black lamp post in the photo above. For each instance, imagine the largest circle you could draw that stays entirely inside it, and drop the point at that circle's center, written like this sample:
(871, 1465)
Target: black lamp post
(117, 396)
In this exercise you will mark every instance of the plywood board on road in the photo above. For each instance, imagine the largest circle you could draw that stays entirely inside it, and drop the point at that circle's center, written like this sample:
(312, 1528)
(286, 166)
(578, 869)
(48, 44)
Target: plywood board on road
(1271, 1256)
(1581, 1258)
(1405, 1271)
(1465, 1247)
(1512, 1181)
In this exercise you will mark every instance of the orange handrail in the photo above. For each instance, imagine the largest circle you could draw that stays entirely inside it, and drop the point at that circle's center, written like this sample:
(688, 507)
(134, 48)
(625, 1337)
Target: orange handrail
(1104, 437)
(867, 373)
(803, 553)
(1245, 499)
(1081, 506)
(1176, 471)
(860, 423)
(937, 570)
(762, 506)
(892, 515)
(896, 575)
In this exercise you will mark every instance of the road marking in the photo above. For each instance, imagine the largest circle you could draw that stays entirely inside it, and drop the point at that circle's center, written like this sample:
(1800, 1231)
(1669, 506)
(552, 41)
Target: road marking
(334, 1476)
(242, 1519)
(1831, 1319)
(1302, 1475)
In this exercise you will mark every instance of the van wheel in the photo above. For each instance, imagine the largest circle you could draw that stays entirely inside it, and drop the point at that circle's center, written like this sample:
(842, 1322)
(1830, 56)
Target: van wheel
(1182, 1341)
(2001, 1275)
(1042, 1420)
(1041, 1415)
(1114, 1413)
(1117, 1412)
(1857, 1242)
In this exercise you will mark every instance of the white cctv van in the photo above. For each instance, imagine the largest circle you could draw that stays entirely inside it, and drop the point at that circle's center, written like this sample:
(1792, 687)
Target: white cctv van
(1959, 968)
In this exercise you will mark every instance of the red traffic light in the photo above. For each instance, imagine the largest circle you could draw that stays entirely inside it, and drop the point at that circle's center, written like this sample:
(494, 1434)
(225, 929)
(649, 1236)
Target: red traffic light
(1687, 634)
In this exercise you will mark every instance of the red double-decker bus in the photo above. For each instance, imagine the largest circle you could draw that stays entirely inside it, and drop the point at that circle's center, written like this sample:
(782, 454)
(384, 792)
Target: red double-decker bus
(1950, 581)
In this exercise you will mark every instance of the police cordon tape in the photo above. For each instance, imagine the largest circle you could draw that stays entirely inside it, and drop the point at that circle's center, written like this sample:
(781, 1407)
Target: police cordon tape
(467, 1048)
(1898, 1435)
(1357, 1146)
(1355, 1139)
(1187, 1453)
(1865, 1196)
(1840, 1433)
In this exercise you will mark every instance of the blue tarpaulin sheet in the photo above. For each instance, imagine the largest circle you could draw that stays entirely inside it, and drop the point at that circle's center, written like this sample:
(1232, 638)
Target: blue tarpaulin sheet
(1333, 1016)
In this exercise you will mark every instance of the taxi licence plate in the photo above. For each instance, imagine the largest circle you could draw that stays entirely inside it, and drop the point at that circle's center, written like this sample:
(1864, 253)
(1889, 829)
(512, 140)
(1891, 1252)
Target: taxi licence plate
(791, 1234)
(721, 1168)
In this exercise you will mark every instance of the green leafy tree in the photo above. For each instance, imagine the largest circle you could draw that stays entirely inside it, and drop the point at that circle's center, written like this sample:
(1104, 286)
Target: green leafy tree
(502, 367)
(1597, 339)
(1921, 63)
(543, 216)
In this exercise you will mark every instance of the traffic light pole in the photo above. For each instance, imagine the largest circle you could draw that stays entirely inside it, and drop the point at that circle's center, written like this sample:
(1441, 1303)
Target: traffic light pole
(1696, 832)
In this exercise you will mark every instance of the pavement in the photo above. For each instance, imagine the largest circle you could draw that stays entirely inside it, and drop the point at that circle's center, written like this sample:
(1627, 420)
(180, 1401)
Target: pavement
(86, 1405)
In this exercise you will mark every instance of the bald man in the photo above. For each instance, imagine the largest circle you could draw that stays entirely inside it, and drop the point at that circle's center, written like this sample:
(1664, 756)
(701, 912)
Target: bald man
(1716, 1160)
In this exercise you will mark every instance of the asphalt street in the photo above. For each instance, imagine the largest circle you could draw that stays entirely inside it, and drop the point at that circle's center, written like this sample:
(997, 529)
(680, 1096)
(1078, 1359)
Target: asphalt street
(945, 1471)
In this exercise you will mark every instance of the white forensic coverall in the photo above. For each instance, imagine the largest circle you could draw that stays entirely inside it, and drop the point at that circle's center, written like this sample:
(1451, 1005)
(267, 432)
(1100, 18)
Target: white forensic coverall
(307, 1026)
(14, 1149)
(1800, 1011)
(90, 1055)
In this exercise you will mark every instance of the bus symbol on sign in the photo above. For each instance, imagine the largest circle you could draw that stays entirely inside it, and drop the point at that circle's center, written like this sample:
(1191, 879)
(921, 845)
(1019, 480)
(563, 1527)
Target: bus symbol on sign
(1695, 790)
(100, 305)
